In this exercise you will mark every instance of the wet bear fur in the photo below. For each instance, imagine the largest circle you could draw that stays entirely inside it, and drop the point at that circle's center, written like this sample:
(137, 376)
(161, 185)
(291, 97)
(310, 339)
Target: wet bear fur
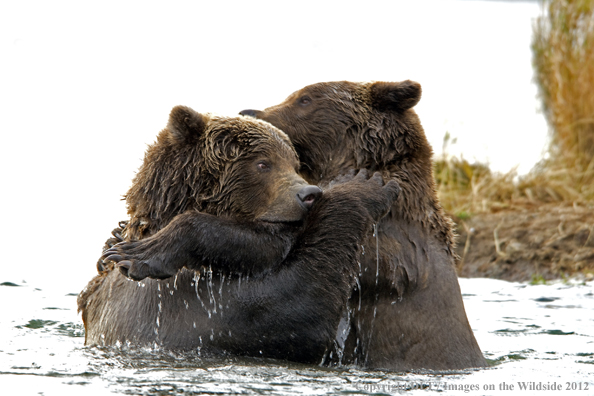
(228, 255)
(408, 312)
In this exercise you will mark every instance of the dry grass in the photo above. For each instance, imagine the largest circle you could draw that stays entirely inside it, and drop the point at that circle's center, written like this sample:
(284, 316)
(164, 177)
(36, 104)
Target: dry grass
(466, 189)
(563, 60)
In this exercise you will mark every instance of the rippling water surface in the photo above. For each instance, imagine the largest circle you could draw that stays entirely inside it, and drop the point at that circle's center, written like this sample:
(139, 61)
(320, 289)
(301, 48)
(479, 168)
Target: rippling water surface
(537, 338)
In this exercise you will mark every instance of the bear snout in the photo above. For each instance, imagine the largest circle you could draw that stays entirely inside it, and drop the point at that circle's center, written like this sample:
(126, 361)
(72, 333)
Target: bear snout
(308, 195)
(249, 113)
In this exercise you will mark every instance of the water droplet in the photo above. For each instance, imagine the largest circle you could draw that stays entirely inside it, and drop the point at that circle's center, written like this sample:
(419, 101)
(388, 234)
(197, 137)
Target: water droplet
(375, 234)
(359, 289)
(197, 289)
(209, 288)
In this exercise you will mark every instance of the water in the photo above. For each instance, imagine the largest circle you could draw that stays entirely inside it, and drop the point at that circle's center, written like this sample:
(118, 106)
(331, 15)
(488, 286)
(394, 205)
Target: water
(541, 334)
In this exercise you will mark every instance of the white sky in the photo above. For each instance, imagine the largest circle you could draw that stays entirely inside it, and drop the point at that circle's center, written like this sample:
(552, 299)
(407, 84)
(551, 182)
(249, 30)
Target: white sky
(85, 86)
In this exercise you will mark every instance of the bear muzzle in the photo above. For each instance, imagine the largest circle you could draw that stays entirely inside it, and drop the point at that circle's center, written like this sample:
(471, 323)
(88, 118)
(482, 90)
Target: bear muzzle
(249, 113)
(308, 195)
(292, 204)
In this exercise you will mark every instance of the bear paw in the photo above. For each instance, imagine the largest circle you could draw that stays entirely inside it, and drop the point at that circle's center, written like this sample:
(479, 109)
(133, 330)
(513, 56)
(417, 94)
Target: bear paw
(134, 261)
(375, 196)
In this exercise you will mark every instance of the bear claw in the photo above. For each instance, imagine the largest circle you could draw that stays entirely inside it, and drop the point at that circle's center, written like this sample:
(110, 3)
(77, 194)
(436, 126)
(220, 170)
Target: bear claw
(116, 258)
(124, 267)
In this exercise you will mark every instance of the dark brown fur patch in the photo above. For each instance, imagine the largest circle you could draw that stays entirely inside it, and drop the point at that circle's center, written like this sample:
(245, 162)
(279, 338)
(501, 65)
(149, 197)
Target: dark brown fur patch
(410, 312)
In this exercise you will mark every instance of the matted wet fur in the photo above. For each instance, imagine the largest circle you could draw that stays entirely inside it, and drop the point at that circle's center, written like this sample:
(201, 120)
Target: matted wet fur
(249, 258)
(408, 313)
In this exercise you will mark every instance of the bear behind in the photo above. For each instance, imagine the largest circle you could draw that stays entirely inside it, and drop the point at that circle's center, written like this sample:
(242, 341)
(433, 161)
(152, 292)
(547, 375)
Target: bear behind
(411, 314)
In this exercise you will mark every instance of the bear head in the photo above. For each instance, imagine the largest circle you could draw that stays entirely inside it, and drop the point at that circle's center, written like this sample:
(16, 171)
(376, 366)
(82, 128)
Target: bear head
(337, 126)
(225, 166)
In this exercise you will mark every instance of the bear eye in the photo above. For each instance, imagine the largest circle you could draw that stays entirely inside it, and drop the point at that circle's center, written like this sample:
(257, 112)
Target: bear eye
(304, 100)
(263, 166)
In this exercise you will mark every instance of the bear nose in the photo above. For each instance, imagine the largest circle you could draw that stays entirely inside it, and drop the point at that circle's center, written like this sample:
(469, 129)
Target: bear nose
(249, 112)
(308, 195)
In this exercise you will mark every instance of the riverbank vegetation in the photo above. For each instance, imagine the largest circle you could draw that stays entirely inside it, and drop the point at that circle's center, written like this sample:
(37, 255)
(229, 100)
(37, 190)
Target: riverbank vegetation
(537, 226)
(563, 60)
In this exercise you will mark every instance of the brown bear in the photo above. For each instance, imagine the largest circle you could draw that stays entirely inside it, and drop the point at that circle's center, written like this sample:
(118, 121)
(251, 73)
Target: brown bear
(407, 312)
(233, 252)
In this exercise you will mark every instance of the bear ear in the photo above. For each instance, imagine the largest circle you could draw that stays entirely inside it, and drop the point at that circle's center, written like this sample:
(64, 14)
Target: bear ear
(397, 96)
(185, 123)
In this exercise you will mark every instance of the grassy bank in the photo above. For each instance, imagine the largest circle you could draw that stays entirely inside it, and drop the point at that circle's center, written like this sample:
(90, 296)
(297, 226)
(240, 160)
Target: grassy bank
(468, 188)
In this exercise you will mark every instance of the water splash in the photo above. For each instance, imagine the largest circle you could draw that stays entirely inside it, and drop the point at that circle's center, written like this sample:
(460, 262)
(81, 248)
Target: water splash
(359, 288)
(169, 287)
(376, 299)
(342, 334)
(222, 281)
(195, 281)
(209, 288)
(375, 235)
(159, 311)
